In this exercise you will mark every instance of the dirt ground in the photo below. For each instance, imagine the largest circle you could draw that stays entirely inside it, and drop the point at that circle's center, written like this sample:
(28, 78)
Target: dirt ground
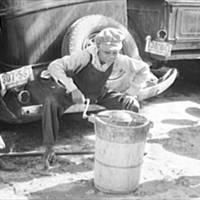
(171, 168)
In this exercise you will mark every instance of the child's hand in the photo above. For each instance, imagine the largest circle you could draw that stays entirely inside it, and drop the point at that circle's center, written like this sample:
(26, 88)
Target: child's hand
(77, 96)
(130, 103)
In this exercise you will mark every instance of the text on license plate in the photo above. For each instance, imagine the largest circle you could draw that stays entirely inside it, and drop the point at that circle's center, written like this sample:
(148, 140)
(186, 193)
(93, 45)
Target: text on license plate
(158, 48)
(16, 77)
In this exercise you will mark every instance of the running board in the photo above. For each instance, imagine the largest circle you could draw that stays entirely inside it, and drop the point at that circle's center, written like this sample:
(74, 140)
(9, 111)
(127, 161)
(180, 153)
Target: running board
(35, 110)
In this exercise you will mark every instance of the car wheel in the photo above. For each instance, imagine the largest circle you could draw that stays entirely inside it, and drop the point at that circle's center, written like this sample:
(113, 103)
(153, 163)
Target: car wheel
(81, 34)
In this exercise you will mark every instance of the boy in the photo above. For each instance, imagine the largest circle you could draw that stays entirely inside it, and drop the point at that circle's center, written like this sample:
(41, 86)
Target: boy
(84, 75)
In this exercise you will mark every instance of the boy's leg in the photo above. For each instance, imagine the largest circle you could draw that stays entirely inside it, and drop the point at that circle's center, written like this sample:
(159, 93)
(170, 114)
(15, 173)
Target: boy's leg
(118, 101)
(54, 106)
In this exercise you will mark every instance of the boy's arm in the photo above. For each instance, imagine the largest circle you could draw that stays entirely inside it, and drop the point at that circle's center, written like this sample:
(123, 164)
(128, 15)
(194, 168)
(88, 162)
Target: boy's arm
(63, 69)
(140, 74)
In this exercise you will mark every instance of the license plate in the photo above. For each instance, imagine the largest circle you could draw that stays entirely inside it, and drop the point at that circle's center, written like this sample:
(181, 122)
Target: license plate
(16, 77)
(31, 110)
(158, 47)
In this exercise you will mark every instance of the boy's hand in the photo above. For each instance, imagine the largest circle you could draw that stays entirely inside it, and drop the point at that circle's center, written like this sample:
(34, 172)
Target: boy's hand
(130, 103)
(77, 96)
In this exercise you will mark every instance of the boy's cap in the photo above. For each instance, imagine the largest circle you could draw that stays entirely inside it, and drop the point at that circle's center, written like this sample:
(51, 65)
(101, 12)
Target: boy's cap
(110, 38)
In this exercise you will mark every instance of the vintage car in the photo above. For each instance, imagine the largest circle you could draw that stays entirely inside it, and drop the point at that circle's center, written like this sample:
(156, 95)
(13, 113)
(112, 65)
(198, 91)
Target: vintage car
(33, 33)
(167, 32)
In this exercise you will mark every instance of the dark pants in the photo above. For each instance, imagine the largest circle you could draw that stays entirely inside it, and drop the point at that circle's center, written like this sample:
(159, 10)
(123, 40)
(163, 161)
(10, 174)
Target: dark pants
(56, 103)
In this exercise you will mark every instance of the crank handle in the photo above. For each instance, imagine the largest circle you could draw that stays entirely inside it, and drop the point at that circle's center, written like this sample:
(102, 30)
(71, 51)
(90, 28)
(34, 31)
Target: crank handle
(87, 103)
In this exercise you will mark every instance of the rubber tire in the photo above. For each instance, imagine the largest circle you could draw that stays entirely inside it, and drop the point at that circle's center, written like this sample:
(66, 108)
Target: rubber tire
(86, 26)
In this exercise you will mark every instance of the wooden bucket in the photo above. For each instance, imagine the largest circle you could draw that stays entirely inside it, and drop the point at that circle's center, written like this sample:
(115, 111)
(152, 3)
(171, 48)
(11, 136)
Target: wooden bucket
(119, 150)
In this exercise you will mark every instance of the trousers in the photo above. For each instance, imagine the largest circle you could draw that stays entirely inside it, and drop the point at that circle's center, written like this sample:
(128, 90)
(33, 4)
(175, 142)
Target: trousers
(57, 102)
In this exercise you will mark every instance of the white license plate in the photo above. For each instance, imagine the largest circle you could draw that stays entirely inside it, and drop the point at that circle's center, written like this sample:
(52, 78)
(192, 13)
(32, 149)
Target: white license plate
(158, 47)
(31, 110)
(16, 77)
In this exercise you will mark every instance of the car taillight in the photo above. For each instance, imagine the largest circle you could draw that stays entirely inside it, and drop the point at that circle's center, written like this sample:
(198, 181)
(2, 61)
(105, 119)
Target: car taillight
(24, 96)
(162, 35)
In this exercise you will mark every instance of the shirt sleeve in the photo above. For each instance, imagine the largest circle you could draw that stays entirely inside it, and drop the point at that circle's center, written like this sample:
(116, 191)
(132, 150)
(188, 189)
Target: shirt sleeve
(63, 69)
(142, 72)
(139, 74)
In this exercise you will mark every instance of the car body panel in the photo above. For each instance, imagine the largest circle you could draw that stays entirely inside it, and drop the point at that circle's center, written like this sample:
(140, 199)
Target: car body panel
(179, 18)
(32, 31)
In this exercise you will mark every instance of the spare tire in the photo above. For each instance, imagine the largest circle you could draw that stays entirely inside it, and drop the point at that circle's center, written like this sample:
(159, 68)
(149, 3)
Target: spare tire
(80, 35)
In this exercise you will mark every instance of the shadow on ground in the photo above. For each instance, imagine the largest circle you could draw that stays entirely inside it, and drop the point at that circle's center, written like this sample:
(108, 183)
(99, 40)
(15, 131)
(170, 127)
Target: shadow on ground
(183, 141)
(85, 189)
